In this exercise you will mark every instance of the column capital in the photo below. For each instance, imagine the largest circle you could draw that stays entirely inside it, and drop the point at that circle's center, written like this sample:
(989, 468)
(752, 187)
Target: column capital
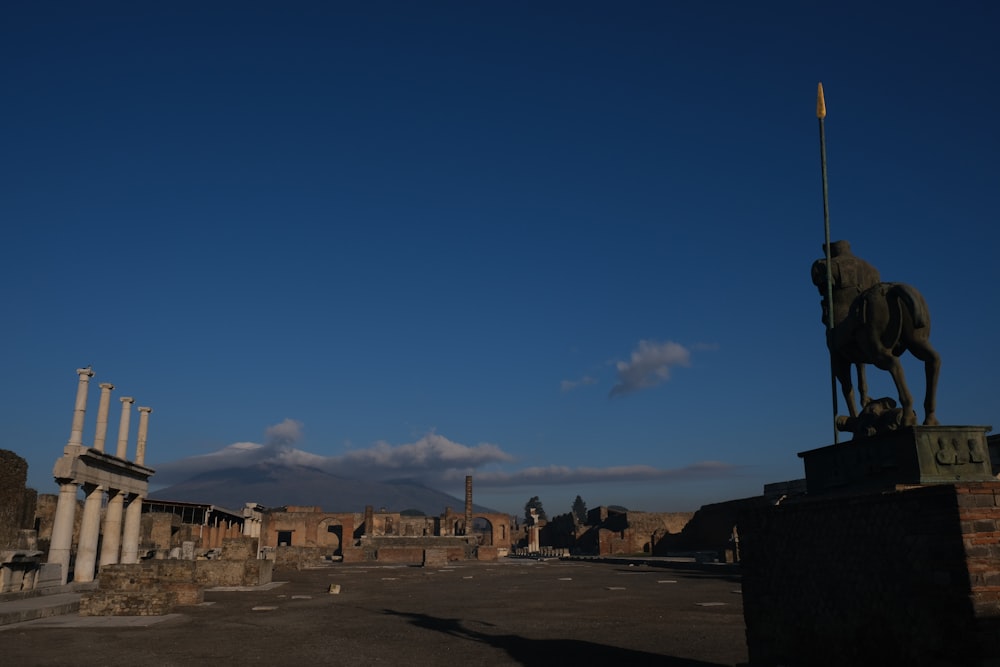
(87, 372)
(106, 385)
(146, 410)
(127, 399)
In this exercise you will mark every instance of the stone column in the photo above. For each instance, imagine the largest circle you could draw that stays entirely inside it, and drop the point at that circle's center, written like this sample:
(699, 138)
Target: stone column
(90, 531)
(369, 520)
(62, 526)
(76, 433)
(127, 402)
(133, 525)
(112, 527)
(140, 441)
(468, 504)
(102, 416)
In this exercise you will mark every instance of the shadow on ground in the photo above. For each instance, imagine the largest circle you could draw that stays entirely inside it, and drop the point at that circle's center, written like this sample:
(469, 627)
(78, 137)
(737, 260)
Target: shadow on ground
(548, 652)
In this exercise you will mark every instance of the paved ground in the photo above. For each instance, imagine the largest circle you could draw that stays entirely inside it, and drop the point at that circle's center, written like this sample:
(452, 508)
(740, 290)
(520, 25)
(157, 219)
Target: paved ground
(514, 612)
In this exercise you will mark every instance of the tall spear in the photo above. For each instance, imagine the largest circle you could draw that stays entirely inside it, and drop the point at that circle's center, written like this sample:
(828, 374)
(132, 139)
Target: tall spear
(821, 115)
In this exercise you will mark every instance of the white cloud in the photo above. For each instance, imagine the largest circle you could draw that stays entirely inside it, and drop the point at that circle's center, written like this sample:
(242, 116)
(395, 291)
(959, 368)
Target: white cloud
(285, 434)
(635, 473)
(432, 452)
(569, 385)
(649, 366)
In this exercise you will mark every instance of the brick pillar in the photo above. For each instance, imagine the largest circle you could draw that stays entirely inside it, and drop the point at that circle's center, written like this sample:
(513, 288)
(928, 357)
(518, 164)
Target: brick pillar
(369, 520)
(468, 504)
(101, 434)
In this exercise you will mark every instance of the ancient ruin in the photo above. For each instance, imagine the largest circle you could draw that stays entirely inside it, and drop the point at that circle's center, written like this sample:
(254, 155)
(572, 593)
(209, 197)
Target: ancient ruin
(98, 473)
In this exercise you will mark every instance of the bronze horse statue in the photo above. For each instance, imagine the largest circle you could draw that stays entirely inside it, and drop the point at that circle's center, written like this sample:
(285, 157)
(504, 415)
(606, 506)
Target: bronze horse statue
(875, 323)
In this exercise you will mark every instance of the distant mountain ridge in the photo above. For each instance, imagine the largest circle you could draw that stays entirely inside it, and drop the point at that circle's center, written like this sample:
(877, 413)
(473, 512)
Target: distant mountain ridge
(279, 485)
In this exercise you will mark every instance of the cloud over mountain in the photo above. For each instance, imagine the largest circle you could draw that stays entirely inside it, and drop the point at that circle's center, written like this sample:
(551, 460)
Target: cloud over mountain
(432, 459)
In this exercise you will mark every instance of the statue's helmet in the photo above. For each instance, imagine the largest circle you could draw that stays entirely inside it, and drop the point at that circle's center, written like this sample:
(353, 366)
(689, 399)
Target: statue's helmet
(838, 248)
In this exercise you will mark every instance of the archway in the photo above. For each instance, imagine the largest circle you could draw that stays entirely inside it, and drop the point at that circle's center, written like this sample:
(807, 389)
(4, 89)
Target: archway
(483, 530)
(330, 536)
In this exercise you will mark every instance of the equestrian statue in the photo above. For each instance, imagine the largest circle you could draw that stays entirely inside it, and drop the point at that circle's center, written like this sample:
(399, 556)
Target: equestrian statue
(875, 323)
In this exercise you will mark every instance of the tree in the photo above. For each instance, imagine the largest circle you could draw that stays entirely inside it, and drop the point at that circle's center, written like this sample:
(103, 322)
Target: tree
(580, 510)
(535, 503)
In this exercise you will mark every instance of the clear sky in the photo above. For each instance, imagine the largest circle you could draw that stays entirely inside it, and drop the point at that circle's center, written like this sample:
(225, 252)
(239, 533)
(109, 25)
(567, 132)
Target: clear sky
(562, 246)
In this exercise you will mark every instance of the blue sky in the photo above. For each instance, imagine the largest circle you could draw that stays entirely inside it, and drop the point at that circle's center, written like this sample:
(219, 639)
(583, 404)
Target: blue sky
(562, 246)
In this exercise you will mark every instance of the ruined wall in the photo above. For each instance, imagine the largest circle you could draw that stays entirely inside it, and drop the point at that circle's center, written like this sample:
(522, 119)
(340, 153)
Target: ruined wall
(308, 527)
(610, 531)
(911, 577)
(709, 529)
(17, 502)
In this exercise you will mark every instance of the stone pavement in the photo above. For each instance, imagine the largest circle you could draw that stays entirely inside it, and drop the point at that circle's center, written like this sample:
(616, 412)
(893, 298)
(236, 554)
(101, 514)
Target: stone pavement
(512, 612)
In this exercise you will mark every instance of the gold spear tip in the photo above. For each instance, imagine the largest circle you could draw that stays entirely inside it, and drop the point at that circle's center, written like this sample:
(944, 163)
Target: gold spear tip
(820, 103)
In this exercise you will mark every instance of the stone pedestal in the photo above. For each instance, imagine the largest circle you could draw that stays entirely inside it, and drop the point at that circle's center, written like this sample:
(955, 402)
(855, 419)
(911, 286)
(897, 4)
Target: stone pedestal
(912, 455)
(892, 557)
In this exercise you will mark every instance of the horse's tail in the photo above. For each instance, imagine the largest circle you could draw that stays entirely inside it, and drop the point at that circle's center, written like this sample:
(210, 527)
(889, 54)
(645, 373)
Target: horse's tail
(914, 302)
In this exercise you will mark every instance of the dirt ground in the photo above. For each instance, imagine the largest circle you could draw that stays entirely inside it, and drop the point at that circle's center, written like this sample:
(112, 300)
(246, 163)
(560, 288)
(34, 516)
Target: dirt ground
(513, 612)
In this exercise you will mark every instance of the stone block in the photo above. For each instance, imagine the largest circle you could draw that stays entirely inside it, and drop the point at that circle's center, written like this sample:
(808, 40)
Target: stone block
(435, 557)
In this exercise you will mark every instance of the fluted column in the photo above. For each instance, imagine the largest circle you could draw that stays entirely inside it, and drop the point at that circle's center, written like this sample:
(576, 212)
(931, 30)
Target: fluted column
(112, 527)
(62, 527)
(90, 531)
(80, 411)
(133, 522)
(127, 402)
(140, 441)
(101, 434)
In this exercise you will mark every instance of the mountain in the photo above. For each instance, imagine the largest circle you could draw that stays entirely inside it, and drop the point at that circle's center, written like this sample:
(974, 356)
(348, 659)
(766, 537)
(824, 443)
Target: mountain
(279, 485)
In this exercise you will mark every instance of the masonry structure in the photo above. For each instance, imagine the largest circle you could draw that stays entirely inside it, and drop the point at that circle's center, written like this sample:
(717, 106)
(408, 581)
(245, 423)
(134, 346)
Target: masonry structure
(98, 474)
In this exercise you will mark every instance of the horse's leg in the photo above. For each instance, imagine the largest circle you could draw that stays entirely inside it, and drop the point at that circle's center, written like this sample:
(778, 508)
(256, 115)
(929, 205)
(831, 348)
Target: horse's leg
(892, 364)
(842, 371)
(922, 350)
(863, 385)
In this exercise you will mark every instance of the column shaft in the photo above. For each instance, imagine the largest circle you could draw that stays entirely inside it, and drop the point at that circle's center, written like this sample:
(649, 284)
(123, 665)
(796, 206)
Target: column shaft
(133, 523)
(140, 440)
(112, 540)
(80, 411)
(123, 425)
(90, 531)
(101, 434)
(62, 528)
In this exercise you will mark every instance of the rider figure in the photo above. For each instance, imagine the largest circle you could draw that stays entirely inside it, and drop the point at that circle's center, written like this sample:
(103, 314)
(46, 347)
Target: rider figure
(850, 275)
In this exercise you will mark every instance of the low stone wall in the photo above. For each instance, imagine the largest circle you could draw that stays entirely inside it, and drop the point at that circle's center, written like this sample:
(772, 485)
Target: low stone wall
(299, 558)
(152, 588)
(155, 587)
(487, 553)
(410, 555)
(254, 572)
(910, 577)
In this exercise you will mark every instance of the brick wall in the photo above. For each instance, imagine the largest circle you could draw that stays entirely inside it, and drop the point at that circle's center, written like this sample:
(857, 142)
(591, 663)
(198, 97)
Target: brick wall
(910, 577)
(17, 504)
